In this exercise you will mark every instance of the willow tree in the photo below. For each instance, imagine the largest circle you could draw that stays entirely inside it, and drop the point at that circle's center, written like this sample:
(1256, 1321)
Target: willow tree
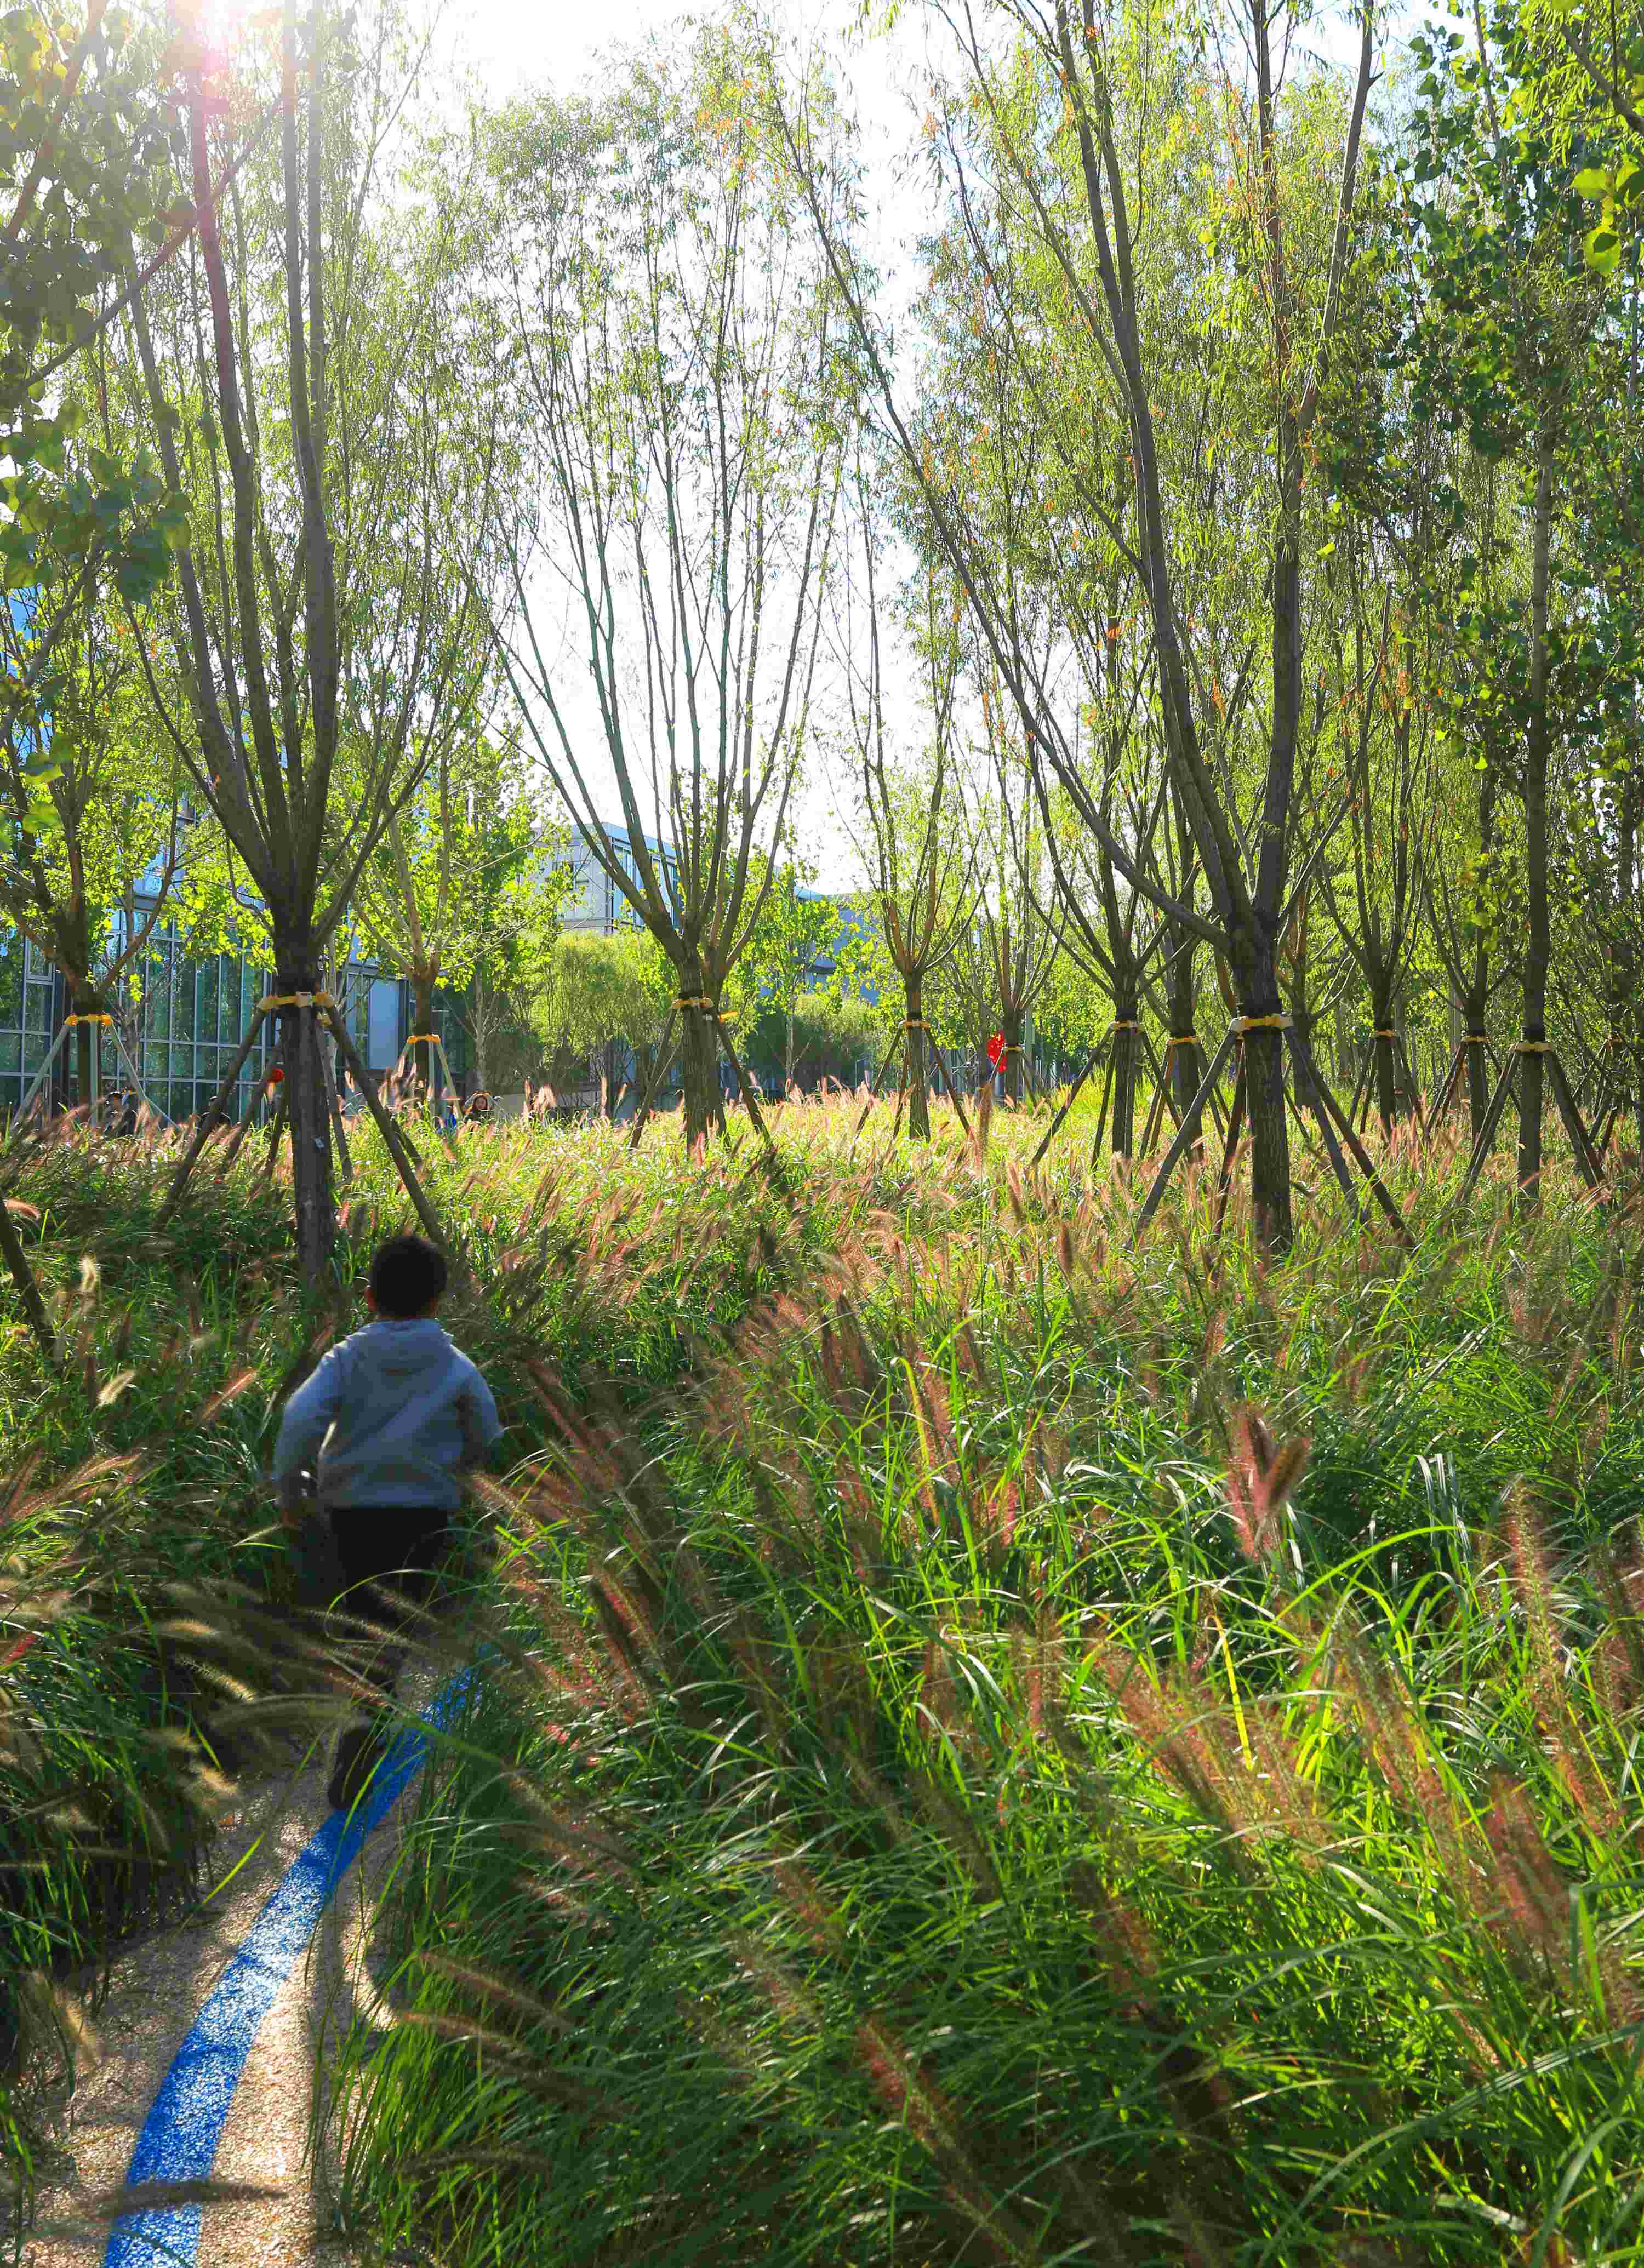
(673, 348)
(293, 374)
(909, 829)
(1510, 340)
(1015, 876)
(89, 802)
(470, 859)
(1380, 728)
(1063, 186)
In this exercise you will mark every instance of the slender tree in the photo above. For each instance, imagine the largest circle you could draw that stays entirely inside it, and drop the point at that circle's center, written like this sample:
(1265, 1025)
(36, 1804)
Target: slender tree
(1068, 109)
(908, 825)
(316, 602)
(90, 802)
(675, 353)
(1506, 320)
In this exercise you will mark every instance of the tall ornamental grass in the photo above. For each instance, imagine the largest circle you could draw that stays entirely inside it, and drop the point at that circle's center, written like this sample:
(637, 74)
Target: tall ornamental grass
(1032, 1750)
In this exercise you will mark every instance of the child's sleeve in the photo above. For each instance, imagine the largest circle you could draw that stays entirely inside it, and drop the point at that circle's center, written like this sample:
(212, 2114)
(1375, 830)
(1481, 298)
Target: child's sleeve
(481, 1425)
(308, 1418)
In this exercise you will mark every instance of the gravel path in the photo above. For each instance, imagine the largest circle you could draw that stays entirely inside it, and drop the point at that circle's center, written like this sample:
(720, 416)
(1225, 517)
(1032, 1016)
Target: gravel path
(282, 2217)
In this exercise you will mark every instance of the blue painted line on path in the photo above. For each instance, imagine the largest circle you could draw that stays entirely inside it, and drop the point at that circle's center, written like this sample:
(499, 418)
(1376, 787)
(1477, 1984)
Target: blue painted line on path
(180, 2137)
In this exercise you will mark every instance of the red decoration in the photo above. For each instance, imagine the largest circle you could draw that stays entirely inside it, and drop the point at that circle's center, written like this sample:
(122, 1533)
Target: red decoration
(996, 1050)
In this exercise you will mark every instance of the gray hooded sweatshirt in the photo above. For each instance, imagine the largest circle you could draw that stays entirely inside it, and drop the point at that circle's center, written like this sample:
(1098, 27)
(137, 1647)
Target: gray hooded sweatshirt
(396, 1415)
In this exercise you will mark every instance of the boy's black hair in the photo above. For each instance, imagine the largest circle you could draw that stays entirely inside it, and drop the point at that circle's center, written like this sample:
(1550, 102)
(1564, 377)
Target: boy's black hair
(408, 1274)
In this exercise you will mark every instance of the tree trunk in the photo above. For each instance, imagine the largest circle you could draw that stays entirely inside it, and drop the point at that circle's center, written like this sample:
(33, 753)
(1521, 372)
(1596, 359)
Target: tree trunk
(699, 1061)
(1185, 1063)
(1264, 1094)
(422, 1058)
(1386, 1068)
(919, 1105)
(1010, 1028)
(307, 1116)
(1475, 994)
(1124, 1055)
(72, 938)
(1477, 1062)
(1620, 1056)
(1539, 938)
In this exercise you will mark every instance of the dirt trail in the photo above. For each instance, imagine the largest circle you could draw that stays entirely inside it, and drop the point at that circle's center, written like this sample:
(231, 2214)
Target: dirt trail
(159, 1986)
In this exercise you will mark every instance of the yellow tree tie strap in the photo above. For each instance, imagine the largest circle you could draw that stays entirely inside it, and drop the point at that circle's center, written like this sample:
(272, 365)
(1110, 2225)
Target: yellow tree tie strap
(1243, 1024)
(417, 1039)
(914, 1024)
(1383, 1035)
(1181, 1040)
(1532, 1047)
(700, 1002)
(86, 1019)
(1475, 1039)
(295, 1000)
(1120, 1024)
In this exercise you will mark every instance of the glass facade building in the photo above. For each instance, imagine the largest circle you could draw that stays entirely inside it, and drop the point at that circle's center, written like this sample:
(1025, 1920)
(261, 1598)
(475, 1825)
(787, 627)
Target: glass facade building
(596, 903)
(187, 1017)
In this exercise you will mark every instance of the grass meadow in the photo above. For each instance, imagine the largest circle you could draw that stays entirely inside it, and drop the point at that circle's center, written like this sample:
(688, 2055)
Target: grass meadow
(1004, 1745)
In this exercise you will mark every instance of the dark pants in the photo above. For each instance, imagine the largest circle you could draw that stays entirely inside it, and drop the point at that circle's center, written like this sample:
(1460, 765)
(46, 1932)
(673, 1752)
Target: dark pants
(397, 1548)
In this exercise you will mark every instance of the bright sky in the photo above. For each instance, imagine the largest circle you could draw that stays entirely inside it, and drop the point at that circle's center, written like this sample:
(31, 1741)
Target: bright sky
(510, 46)
(513, 45)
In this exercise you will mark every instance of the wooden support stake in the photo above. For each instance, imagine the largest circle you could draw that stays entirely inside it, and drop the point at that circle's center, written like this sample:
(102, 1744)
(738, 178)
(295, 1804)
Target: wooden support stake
(1230, 1148)
(1110, 1058)
(1401, 1054)
(1308, 1078)
(1184, 1134)
(899, 1042)
(44, 1073)
(1580, 1141)
(231, 1148)
(1366, 1089)
(335, 1109)
(1155, 1113)
(387, 1128)
(197, 1140)
(265, 1172)
(1155, 1108)
(27, 1289)
(747, 1093)
(1383, 1195)
(953, 1092)
(135, 1076)
(902, 1096)
(1072, 1097)
(1486, 1142)
(1441, 1101)
(658, 1070)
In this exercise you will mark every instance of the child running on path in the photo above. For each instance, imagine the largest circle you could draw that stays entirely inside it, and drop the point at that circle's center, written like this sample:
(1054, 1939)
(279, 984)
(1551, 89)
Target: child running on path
(389, 1424)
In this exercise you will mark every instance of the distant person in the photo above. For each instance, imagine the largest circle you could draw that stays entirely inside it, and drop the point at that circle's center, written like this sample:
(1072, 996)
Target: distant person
(390, 1424)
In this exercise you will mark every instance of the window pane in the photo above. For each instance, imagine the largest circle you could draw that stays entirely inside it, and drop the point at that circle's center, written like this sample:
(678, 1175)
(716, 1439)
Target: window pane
(157, 1001)
(12, 984)
(228, 998)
